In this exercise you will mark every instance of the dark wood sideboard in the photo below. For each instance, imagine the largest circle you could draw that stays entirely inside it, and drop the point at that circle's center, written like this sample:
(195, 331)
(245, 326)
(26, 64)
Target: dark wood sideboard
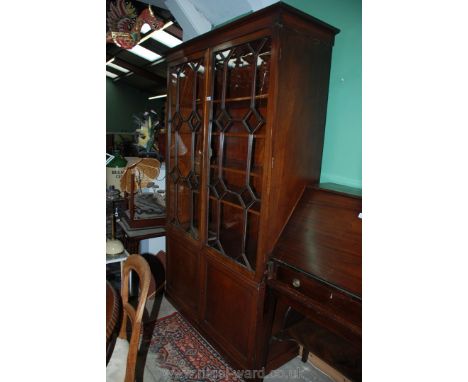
(315, 279)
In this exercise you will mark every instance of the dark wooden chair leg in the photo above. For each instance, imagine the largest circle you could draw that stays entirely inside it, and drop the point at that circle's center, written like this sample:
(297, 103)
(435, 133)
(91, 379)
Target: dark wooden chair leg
(305, 355)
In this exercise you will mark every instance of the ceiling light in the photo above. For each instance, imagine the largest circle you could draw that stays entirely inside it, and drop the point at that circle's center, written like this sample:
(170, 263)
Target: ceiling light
(168, 24)
(111, 75)
(144, 53)
(108, 62)
(166, 38)
(158, 61)
(118, 68)
(158, 96)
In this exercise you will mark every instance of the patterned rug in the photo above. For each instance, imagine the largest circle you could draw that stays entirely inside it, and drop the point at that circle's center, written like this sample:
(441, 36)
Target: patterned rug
(184, 355)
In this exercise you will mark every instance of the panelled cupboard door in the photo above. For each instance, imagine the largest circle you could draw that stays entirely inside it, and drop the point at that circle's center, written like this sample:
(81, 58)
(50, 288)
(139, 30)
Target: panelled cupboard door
(230, 311)
(186, 95)
(183, 276)
(240, 74)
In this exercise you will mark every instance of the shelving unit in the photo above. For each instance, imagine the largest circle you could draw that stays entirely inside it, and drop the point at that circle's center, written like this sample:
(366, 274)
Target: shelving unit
(246, 113)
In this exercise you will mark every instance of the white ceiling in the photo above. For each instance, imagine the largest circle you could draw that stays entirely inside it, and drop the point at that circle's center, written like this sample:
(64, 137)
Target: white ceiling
(199, 16)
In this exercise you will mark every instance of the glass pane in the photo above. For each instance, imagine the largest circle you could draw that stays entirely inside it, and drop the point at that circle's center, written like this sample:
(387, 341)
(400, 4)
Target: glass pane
(237, 143)
(234, 72)
(254, 118)
(183, 204)
(239, 117)
(263, 67)
(170, 206)
(231, 187)
(200, 91)
(172, 89)
(185, 151)
(220, 59)
(242, 70)
(251, 237)
(227, 236)
(231, 230)
(234, 153)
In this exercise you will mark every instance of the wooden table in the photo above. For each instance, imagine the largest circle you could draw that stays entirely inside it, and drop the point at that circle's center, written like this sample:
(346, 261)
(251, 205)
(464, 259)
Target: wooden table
(113, 318)
(315, 279)
(131, 237)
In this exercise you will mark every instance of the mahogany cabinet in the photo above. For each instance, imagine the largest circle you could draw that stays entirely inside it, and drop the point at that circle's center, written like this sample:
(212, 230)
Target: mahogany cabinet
(246, 114)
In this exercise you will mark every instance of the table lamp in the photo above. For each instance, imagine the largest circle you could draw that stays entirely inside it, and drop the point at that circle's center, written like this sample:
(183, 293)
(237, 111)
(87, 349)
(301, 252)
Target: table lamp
(113, 246)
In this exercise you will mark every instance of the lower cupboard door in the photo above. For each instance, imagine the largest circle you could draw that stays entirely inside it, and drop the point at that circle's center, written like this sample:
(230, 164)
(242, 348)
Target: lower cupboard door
(230, 313)
(183, 274)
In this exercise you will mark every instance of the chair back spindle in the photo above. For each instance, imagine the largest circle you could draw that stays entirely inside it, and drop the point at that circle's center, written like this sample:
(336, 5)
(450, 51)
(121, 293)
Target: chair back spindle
(139, 265)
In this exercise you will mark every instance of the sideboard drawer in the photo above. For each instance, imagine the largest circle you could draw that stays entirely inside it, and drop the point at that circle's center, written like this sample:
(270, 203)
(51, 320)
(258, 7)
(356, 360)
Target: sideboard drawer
(334, 300)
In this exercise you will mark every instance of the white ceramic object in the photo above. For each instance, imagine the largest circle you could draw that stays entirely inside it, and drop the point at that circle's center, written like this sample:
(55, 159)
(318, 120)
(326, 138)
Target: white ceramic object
(114, 247)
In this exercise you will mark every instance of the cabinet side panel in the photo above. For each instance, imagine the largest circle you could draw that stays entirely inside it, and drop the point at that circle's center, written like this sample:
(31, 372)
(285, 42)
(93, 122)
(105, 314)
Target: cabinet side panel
(303, 77)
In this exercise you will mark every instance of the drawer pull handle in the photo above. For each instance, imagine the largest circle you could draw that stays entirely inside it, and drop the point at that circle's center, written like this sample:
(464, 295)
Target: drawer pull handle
(296, 283)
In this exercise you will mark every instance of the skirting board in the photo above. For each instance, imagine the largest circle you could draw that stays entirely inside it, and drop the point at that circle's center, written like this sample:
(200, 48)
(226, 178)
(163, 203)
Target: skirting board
(330, 178)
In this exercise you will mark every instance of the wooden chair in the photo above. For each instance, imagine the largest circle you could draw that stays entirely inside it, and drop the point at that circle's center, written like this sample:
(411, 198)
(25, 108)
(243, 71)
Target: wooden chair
(121, 367)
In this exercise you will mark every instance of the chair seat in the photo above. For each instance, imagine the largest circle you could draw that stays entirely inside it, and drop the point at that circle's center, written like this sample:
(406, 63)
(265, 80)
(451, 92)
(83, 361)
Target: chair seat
(116, 368)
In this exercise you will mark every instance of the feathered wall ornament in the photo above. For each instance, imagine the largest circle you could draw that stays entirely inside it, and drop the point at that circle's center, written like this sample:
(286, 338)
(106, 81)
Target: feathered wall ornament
(148, 127)
(124, 26)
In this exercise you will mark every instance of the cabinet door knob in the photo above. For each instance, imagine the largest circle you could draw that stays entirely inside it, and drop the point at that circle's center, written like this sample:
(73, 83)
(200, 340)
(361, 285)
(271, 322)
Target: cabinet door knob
(296, 283)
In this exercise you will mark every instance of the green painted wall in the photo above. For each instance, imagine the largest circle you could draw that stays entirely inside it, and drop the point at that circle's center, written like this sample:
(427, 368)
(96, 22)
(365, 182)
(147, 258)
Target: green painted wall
(122, 102)
(342, 153)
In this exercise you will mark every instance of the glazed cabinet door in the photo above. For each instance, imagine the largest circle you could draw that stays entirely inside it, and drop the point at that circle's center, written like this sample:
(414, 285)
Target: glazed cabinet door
(239, 76)
(186, 95)
(185, 126)
(237, 134)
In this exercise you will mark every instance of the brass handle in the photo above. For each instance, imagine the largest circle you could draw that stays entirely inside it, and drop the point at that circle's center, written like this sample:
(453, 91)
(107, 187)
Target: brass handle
(296, 283)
